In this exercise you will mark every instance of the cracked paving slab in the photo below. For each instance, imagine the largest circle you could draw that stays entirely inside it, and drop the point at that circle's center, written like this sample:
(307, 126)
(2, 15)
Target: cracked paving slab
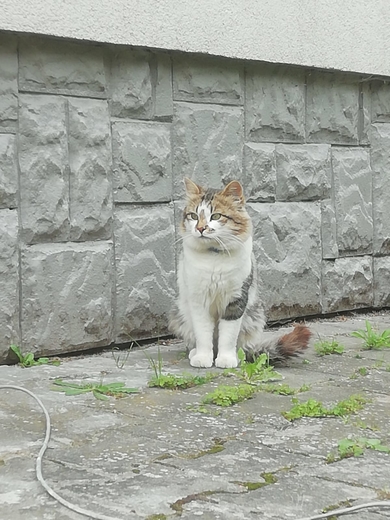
(159, 452)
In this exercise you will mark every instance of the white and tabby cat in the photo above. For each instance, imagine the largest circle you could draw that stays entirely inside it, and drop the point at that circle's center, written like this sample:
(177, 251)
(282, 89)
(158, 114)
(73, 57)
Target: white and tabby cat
(218, 309)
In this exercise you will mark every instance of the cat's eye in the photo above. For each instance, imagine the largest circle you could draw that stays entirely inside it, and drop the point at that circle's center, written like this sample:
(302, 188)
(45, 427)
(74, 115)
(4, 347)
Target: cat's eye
(215, 216)
(193, 216)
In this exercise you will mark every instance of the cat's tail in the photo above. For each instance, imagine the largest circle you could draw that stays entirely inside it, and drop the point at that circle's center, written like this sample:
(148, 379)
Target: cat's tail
(283, 347)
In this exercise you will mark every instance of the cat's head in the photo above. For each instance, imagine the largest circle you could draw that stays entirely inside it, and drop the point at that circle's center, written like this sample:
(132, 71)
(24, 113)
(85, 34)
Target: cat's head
(216, 217)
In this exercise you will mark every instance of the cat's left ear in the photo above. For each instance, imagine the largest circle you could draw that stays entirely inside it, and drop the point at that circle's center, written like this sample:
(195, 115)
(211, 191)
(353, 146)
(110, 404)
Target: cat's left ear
(234, 189)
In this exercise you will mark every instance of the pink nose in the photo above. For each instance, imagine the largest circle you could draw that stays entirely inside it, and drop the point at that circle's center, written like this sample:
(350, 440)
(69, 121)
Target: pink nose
(200, 229)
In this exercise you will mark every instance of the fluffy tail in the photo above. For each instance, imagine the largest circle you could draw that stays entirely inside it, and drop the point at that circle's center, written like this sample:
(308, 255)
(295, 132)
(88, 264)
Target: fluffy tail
(282, 347)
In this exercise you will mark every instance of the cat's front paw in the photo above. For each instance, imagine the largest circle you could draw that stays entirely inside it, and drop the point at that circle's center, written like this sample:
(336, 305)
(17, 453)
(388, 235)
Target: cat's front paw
(226, 361)
(201, 360)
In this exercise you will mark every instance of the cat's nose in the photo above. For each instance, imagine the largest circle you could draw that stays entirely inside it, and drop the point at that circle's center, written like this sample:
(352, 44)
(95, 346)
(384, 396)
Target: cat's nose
(200, 229)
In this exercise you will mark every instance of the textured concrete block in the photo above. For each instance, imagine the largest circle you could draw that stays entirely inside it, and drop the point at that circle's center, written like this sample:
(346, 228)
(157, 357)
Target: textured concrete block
(145, 270)
(347, 283)
(142, 161)
(9, 282)
(44, 175)
(329, 230)
(303, 172)
(259, 172)
(207, 144)
(8, 172)
(332, 108)
(8, 83)
(207, 79)
(90, 161)
(275, 104)
(380, 101)
(381, 267)
(61, 67)
(365, 113)
(287, 246)
(380, 163)
(67, 296)
(163, 106)
(131, 85)
(353, 199)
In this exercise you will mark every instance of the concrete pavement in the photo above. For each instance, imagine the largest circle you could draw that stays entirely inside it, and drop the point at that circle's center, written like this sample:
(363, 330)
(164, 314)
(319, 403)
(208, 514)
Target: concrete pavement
(161, 454)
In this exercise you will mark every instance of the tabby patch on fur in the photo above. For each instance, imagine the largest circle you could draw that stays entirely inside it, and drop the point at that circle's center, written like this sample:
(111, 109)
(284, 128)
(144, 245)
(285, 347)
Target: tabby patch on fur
(218, 309)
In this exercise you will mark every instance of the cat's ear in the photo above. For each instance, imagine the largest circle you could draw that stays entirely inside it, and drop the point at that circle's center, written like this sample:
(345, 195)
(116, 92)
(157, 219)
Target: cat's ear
(234, 189)
(191, 187)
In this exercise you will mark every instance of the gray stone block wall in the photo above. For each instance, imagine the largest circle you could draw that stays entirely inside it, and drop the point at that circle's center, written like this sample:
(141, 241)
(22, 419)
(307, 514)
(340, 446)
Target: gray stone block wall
(94, 143)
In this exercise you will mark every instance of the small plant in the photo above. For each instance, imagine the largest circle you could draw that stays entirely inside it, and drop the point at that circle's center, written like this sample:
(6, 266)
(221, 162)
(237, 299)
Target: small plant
(257, 372)
(325, 348)
(99, 390)
(229, 395)
(27, 360)
(356, 447)
(313, 408)
(183, 381)
(121, 356)
(283, 389)
(156, 366)
(373, 340)
(173, 381)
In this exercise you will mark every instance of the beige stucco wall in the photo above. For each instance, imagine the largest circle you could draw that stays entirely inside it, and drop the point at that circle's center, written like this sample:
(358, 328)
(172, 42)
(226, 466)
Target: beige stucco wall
(351, 35)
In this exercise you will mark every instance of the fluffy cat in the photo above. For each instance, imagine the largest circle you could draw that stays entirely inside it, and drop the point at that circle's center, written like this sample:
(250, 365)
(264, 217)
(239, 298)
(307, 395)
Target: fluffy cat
(218, 309)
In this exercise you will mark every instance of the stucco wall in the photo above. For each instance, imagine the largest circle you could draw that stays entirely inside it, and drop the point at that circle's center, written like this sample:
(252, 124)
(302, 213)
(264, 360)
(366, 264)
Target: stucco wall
(94, 144)
(349, 35)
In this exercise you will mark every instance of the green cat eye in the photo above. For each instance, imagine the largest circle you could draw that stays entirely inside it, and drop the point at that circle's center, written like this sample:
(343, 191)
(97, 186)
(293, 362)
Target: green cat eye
(193, 216)
(215, 216)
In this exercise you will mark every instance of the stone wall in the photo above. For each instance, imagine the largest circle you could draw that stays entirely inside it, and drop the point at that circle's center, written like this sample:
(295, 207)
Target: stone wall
(94, 143)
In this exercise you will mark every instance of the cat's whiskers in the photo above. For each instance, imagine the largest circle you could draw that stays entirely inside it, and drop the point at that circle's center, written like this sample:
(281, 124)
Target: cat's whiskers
(221, 243)
(233, 238)
(181, 238)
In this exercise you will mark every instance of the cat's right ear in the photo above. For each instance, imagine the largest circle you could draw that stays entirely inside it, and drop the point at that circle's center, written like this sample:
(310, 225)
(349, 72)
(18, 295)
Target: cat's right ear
(191, 187)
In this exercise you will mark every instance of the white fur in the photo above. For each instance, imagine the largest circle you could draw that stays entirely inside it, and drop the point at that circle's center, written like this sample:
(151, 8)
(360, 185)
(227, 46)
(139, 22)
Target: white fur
(208, 281)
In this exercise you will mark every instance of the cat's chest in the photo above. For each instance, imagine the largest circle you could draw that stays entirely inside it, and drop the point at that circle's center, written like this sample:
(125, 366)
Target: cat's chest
(217, 275)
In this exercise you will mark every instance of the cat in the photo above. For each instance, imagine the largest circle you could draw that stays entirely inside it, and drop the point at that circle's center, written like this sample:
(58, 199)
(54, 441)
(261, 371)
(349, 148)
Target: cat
(218, 309)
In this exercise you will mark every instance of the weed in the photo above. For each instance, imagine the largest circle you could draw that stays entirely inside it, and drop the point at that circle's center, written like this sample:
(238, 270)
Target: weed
(356, 447)
(283, 389)
(99, 390)
(324, 348)
(229, 395)
(173, 381)
(361, 371)
(339, 505)
(364, 426)
(27, 360)
(259, 371)
(306, 362)
(373, 340)
(121, 356)
(183, 381)
(313, 408)
(383, 494)
(203, 409)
